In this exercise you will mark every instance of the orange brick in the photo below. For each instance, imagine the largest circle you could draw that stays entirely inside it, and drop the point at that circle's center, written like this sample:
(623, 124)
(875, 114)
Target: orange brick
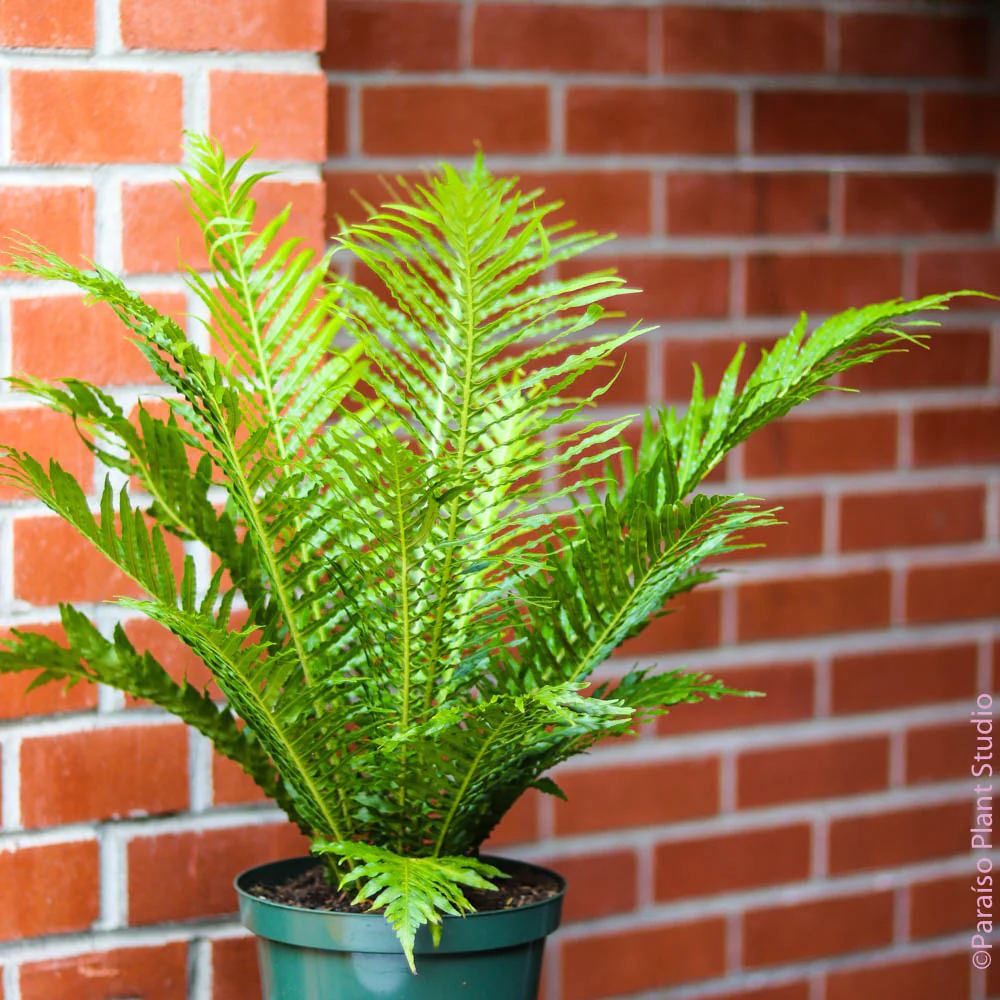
(154, 973)
(231, 784)
(922, 979)
(611, 797)
(383, 34)
(799, 931)
(789, 694)
(183, 875)
(72, 867)
(45, 435)
(450, 120)
(250, 26)
(720, 204)
(903, 518)
(591, 39)
(956, 357)
(708, 40)
(177, 659)
(900, 837)
(60, 337)
(45, 24)
(519, 824)
(917, 46)
(650, 120)
(785, 609)
(598, 884)
(105, 774)
(829, 121)
(78, 116)
(812, 771)
(234, 969)
(281, 116)
(941, 906)
(159, 233)
(60, 218)
(644, 959)
(785, 284)
(953, 592)
(810, 446)
(873, 682)
(728, 862)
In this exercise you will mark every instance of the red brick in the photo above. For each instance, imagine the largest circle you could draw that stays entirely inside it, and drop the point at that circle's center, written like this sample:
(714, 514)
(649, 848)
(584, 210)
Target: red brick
(234, 969)
(60, 218)
(959, 436)
(812, 771)
(961, 123)
(798, 931)
(45, 24)
(800, 532)
(104, 774)
(382, 34)
(61, 337)
(693, 623)
(336, 120)
(608, 201)
(785, 284)
(672, 287)
(78, 116)
(729, 862)
(712, 357)
(900, 837)
(643, 959)
(918, 979)
(626, 373)
(941, 906)
(590, 39)
(49, 699)
(70, 871)
(942, 270)
(953, 593)
(829, 121)
(607, 798)
(925, 203)
(955, 358)
(159, 232)
(248, 26)
(598, 884)
(519, 824)
(907, 45)
(53, 563)
(282, 116)
(231, 784)
(450, 120)
(877, 681)
(786, 991)
(809, 446)
(650, 120)
(747, 204)
(706, 40)
(153, 973)
(45, 435)
(788, 688)
(939, 753)
(787, 609)
(903, 518)
(183, 875)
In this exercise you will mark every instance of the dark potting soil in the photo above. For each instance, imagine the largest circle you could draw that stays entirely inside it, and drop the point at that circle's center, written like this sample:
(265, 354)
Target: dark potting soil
(311, 891)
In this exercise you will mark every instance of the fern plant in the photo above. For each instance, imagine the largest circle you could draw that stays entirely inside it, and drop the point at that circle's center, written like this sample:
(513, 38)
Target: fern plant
(422, 543)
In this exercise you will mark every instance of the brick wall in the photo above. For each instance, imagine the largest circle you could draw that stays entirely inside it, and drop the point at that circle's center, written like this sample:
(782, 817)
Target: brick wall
(755, 159)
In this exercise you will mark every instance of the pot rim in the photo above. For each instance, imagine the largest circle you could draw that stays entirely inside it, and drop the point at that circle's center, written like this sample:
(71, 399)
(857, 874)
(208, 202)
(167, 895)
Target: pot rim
(334, 930)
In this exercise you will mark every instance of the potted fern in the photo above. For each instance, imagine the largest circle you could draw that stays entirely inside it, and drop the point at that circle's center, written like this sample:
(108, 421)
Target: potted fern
(422, 549)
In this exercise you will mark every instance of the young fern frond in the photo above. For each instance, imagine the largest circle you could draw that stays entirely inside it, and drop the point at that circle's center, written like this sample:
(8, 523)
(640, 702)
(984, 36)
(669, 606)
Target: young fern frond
(421, 551)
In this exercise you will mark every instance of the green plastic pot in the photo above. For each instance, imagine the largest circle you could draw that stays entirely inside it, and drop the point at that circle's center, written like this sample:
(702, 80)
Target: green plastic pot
(322, 955)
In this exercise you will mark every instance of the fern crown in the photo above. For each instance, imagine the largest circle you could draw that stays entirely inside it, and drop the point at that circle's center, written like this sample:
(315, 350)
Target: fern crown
(423, 542)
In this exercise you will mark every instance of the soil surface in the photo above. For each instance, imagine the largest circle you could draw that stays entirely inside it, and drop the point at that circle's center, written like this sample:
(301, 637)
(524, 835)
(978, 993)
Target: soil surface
(311, 891)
